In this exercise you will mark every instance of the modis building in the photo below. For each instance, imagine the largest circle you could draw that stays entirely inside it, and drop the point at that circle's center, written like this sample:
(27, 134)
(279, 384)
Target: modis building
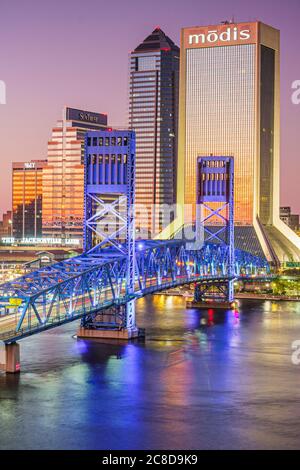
(229, 104)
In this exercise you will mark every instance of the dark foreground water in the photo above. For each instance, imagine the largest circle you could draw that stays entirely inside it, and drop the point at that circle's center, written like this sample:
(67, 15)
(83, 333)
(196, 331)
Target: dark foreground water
(201, 380)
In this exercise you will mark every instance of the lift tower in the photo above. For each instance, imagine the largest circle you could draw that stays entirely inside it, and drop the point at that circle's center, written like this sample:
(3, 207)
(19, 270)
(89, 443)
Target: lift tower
(109, 227)
(215, 224)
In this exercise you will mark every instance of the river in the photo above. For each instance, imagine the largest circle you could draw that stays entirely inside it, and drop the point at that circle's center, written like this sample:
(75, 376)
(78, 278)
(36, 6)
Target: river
(201, 380)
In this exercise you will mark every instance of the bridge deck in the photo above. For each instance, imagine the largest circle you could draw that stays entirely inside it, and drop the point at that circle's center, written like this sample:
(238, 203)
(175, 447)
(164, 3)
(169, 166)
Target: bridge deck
(67, 291)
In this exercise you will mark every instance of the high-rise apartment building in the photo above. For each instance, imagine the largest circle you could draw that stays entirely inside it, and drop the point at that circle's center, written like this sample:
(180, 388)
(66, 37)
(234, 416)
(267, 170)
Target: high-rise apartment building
(230, 105)
(27, 198)
(63, 178)
(153, 114)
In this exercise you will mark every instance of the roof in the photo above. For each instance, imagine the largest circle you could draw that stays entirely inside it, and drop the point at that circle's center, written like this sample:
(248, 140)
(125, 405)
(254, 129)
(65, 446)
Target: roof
(157, 41)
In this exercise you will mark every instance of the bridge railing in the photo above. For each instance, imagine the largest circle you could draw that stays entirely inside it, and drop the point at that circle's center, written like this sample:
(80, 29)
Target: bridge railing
(87, 284)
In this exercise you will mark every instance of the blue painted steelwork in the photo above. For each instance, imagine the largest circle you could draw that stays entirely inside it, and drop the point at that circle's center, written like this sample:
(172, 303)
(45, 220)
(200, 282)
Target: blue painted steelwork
(99, 285)
(215, 207)
(87, 286)
(109, 197)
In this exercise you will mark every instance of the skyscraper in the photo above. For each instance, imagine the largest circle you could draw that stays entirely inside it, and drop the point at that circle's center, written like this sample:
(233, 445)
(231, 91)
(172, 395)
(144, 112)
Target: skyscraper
(27, 198)
(153, 114)
(63, 177)
(230, 105)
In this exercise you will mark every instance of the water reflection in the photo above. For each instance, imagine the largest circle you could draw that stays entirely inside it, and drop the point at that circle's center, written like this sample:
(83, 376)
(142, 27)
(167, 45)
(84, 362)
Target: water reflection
(202, 379)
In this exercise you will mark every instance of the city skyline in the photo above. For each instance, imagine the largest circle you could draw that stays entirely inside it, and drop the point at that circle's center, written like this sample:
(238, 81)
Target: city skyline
(36, 93)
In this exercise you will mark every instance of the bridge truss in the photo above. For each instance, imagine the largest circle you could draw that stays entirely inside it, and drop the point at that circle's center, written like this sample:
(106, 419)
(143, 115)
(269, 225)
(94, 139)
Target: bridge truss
(94, 288)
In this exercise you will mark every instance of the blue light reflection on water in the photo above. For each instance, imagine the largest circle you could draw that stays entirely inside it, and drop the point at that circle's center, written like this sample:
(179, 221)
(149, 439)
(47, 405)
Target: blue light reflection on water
(201, 380)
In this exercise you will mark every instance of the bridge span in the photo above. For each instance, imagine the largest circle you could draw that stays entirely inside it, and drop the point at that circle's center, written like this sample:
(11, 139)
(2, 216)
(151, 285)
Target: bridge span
(90, 285)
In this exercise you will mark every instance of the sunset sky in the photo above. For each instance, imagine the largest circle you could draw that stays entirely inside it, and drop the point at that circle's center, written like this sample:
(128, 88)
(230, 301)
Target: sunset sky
(71, 52)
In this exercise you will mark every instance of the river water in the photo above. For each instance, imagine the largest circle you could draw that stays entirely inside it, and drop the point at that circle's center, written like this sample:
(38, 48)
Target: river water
(201, 380)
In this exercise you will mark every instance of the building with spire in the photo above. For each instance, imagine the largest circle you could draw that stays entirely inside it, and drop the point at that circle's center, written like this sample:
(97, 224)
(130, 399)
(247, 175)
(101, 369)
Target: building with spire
(153, 115)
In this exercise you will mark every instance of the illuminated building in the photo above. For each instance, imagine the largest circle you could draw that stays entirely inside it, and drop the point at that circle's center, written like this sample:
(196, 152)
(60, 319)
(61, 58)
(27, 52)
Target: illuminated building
(229, 104)
(153, 115)
(6, 224)
(27, 198)
(64, 176)
(292, 220)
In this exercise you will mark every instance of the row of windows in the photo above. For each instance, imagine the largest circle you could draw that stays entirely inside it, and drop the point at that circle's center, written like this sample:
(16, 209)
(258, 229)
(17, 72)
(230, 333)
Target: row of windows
(93, 158)
(107, 141)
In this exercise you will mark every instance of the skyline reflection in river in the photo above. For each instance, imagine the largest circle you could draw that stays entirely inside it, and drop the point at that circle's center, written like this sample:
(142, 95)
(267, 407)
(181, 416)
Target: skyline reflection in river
(205, 379)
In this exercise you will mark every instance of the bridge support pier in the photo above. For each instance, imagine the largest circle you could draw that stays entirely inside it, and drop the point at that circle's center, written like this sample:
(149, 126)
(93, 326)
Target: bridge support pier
(113, 323)
(10, 358)
(123, 334)
(213, 294)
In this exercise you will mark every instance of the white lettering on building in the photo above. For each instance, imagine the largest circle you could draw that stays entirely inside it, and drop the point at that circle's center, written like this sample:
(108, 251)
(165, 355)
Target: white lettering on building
(40, 241)
(213, 36)
(29, 165)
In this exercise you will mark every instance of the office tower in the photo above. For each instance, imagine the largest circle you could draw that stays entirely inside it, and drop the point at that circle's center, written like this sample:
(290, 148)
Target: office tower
(63, 177)
(27, 198)
(230, 105)
(153, 112)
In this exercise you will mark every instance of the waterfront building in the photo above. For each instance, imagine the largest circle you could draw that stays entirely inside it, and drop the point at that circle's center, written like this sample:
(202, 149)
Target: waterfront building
(292, 220)
(6, 224)
(63, 178)
(27, 198)
(230, 105)
(153, 115)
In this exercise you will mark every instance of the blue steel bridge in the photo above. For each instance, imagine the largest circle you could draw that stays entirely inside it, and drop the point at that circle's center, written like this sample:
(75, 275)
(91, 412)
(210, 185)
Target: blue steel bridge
(100, 287)
(89, 284)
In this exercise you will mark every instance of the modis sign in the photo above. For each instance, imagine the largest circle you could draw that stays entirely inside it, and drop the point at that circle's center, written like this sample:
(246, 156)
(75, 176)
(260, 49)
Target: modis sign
(221, 35)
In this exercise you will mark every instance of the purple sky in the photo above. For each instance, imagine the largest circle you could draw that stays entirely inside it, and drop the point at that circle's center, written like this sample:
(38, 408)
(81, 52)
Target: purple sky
(75, 52)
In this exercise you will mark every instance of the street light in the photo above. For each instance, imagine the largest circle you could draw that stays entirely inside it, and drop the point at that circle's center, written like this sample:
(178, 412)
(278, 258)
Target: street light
(10, 223)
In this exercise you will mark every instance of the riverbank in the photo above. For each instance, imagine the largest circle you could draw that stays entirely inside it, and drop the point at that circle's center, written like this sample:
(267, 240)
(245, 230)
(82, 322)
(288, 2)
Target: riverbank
(251, 296)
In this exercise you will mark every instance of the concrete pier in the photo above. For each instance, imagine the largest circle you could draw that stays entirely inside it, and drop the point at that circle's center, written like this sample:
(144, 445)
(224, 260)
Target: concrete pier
(123, 334)
(215, 305)
(10, 358)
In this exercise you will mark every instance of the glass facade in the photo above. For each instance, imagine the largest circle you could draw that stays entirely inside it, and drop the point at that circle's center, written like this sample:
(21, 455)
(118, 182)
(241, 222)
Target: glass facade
(27, 199)
(153, 111)
(267, 133)
(63, 178)
(230, 105)
(220, 117)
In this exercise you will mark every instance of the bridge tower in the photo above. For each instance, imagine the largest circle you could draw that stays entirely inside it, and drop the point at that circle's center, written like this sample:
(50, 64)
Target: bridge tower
(215, 224)
(109, 226)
